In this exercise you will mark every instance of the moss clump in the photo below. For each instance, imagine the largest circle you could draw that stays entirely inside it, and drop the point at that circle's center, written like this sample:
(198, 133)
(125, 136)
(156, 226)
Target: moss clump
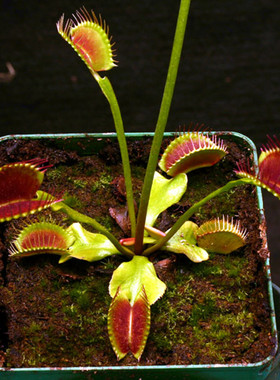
(71, 313)
(72, 201)
(55, 174)
(104, 181)
(202, 311)
(78, 183)
(106, 221)
(206, 310)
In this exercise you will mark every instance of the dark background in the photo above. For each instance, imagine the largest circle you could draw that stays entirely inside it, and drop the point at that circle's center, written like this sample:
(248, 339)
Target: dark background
(229, 77)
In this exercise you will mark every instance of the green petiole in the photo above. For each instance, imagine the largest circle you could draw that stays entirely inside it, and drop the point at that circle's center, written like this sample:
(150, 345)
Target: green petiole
(81, 218)
(161, 123)
(109, 93)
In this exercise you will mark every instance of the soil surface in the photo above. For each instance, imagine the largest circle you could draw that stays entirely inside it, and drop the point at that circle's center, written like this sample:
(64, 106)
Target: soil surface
(56, 314)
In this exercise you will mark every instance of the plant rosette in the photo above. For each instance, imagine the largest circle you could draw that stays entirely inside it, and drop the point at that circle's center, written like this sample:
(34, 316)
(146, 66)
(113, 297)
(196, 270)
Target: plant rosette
(79, 234)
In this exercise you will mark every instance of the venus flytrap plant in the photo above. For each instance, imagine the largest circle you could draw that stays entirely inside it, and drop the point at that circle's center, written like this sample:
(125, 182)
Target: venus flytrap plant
(89, 37)
(134, 286)
(221, 235)
(20, 184)
(268, 175)
(41, 237)
(191, 151)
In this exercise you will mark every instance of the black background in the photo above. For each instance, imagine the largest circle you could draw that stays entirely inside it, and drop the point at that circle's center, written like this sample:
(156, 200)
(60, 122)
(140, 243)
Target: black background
(229, 77)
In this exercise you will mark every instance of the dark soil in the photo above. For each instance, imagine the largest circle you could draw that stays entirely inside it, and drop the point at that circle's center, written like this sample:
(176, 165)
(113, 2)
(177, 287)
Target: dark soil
(56, 314)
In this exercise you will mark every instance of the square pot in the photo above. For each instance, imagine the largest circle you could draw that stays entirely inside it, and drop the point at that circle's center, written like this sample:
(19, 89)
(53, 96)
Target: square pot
(85, 144)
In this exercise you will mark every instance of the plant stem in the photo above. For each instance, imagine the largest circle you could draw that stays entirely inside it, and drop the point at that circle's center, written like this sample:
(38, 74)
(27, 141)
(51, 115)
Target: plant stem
(78, 217)
(162, 120)
(192, 210)
(109, 93)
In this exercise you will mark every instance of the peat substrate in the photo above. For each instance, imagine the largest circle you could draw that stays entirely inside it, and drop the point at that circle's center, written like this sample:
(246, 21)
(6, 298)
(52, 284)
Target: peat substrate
(56, 314)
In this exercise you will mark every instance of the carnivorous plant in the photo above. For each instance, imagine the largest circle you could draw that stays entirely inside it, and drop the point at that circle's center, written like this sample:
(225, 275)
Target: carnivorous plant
(134, 285)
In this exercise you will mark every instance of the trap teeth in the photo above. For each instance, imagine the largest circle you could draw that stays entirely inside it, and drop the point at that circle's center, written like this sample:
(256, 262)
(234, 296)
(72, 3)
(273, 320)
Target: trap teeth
(221, 235)
(190, 151)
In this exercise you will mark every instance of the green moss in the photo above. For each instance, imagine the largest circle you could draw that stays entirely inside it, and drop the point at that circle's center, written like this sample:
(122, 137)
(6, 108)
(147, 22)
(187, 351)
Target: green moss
(54, 174)
(70, 311)
(169, 314)
(204, 318)
(33, 328)
(108, 263)
(104, 181)
(162, 342)
(224, 328)
(106, 221)
(78, 307)
(235, 265)
(78, 183)
(55, 285)
(242, 295)
(203, 310)
(208, 268)
(81, 297)
(44, 283)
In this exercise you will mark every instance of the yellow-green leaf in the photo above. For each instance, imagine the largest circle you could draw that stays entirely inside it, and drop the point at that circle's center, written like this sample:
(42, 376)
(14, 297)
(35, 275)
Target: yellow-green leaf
(164, 193)
(89, 246)
(184, 242)
(131, 276)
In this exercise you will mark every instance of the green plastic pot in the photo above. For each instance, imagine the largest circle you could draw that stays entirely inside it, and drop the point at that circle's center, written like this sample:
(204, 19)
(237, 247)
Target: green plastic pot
(266, 369)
